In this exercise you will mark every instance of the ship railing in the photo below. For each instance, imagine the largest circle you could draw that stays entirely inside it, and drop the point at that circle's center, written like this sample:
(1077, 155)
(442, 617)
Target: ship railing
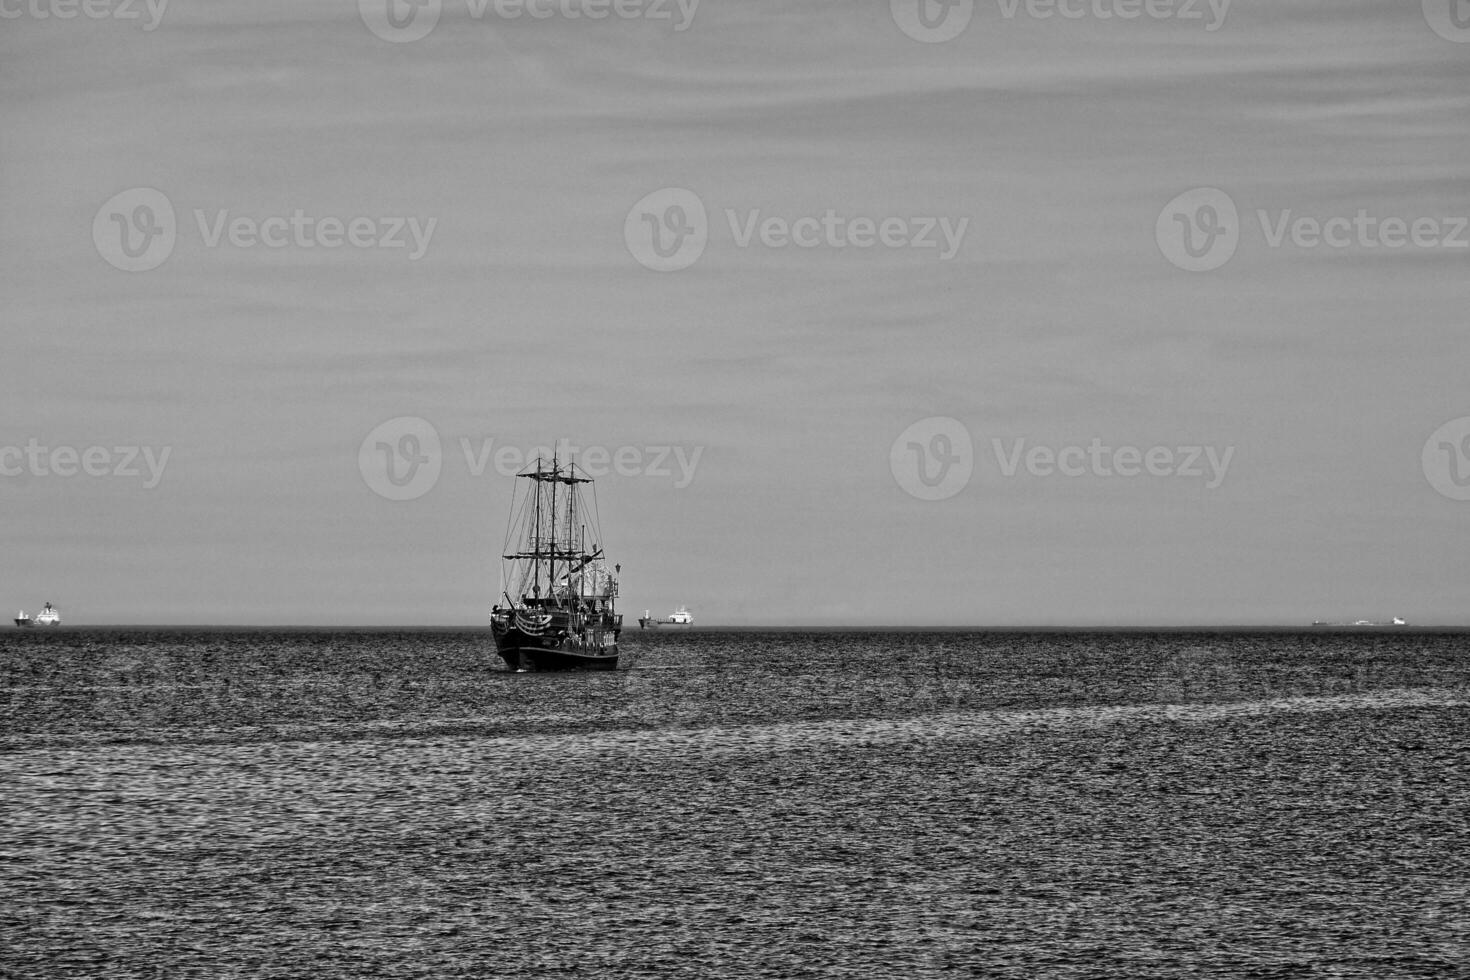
(532, 623)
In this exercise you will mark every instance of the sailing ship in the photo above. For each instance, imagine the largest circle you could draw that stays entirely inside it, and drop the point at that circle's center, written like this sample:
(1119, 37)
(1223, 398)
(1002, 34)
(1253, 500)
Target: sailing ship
(679, 617)
(560, 600)
(50, 616)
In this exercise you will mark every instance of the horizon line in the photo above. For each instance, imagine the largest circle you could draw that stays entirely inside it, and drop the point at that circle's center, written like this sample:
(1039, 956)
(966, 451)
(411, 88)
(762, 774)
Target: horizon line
(799, 627)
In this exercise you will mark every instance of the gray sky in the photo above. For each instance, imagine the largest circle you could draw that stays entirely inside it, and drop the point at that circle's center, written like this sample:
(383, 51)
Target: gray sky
(1053, 146)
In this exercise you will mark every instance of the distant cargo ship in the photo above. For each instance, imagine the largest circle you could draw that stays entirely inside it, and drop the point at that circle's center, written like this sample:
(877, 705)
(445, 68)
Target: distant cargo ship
(50, 616)
(1397, 621)
(679, 617)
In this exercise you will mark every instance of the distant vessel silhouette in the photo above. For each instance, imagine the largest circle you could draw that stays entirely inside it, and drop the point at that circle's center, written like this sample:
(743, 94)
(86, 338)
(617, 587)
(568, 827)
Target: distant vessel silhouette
(1397, 621)
(50, 616)
(679, 617)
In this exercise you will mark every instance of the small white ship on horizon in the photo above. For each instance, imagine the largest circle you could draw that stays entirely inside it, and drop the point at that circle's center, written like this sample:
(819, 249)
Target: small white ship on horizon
(50, 616)
(679, 617)
(1397, 621)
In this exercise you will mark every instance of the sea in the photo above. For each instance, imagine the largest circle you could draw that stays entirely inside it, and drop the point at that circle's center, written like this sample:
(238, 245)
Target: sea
(891, 803)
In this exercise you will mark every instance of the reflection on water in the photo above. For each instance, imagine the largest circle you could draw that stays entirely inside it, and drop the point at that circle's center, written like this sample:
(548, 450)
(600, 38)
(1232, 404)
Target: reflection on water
(361, 804)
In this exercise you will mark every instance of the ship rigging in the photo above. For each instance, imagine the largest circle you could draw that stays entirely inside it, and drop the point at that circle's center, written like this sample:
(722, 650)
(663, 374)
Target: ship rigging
(559, 598)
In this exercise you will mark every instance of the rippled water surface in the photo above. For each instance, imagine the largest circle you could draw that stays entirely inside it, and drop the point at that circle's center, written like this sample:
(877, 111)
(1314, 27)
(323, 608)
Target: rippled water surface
(394, 804)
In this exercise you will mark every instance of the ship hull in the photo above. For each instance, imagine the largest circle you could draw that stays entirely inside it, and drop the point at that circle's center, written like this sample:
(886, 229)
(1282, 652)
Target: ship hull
(525, 651)
(25, 624)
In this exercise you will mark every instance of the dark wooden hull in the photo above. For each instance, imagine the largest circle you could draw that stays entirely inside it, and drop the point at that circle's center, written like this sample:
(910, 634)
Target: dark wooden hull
(524, 651)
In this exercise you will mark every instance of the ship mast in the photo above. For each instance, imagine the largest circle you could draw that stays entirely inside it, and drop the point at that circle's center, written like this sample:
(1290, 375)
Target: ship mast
(546, 538)
(536, 535)
(551, 561)
(572, 534)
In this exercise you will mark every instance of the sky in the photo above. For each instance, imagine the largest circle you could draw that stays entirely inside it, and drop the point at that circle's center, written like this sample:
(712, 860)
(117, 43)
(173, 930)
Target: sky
(988, 313)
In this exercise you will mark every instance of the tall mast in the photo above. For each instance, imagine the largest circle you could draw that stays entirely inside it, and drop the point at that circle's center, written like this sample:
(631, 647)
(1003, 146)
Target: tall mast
(551, 562)
(571, 506)
(535, 531)
(536, 534)
(572, 532)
